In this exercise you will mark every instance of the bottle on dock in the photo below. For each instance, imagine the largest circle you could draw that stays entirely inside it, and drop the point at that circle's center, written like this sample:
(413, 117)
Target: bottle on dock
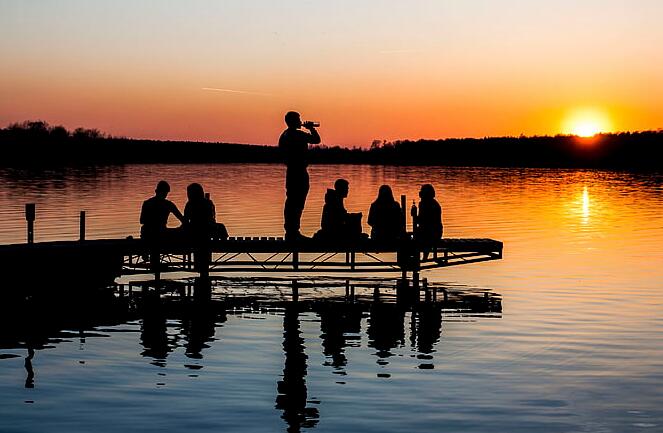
(413, 213)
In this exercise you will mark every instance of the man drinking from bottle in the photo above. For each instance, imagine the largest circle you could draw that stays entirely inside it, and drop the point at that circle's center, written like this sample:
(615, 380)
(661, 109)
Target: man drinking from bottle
(294, 147)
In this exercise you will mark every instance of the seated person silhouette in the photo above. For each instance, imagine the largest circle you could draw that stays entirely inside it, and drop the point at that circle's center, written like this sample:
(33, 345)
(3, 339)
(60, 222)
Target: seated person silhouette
(337, 223)
(155, 212)
(385, 217)
(428, 218)
(200, 216)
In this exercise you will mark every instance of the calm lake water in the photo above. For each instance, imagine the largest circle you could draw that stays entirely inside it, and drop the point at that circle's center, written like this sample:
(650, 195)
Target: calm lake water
(575, 345)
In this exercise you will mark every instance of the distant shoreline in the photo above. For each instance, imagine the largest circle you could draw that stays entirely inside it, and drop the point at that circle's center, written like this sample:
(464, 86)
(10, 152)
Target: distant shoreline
(37, 144)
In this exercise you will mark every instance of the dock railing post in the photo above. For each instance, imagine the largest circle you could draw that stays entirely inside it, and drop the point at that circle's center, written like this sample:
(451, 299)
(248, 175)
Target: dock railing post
(82, 226)
(403, 213)
(30, 214)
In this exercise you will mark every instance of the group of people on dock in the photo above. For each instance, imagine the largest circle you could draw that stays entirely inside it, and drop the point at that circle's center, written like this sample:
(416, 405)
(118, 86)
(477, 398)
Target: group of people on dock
(198, 220)
(386, 218)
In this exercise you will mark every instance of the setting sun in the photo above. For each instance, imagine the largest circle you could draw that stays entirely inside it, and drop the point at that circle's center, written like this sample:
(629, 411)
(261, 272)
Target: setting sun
(586, 123)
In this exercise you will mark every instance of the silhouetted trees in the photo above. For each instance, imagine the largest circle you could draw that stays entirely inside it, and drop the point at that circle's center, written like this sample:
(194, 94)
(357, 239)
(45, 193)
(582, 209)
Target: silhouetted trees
(35, 143)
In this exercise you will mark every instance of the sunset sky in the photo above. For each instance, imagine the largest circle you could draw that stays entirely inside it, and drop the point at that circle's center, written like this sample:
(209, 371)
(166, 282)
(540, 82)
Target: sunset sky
(228, 70)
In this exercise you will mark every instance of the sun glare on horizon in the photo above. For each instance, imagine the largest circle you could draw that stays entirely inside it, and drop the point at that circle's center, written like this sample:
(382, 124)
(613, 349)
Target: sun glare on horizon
(586, 123)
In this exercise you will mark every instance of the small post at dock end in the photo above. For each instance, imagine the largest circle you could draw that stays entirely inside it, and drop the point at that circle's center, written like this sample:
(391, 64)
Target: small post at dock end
(403, 212)
(30, 215)
(82, 226)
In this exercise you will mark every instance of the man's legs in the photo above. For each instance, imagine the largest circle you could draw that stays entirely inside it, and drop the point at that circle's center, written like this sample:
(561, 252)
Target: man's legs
(296, 190)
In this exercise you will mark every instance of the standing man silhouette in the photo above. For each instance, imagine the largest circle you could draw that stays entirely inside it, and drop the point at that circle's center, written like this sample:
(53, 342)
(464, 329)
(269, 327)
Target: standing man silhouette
(294, 146)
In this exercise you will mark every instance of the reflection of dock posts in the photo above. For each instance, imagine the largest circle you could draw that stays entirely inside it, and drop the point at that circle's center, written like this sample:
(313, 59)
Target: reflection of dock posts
(204, 262)
(202, 290)
(30, 214)
(295, 291)
(81, 226)
(427, 294)
(155, 263)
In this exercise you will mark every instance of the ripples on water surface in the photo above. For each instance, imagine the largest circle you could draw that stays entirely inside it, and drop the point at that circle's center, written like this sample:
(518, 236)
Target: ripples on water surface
(577, 347)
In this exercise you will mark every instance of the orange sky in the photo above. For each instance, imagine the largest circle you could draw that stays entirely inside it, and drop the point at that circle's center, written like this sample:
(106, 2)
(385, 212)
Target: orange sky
(420, 69)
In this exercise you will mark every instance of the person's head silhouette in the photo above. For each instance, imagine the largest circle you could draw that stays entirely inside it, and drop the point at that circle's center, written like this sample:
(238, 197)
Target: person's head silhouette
(342, 187)
(293, 119)
(427, 192)
(163, 188)
(385, 194)
(195, 191)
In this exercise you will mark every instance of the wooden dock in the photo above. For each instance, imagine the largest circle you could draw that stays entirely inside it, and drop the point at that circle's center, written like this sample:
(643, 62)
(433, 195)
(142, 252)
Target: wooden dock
(106, 259)
(99, 262)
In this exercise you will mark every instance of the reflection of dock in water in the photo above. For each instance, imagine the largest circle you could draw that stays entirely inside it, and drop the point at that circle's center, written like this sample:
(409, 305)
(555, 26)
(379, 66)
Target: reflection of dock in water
(181, 318)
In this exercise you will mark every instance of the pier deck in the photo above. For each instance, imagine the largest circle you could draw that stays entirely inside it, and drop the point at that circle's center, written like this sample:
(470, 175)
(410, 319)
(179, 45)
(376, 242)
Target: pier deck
(103, 260)
(262, 254)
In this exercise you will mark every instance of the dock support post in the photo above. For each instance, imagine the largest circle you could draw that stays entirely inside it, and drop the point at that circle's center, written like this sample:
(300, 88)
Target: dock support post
(30, 214)
(427, 294)
(415, 284)
(81, 226)
(295, 260)
(347, 288)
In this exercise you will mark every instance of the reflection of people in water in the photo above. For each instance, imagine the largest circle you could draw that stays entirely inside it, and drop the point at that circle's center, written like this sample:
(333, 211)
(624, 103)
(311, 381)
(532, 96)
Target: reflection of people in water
(427, 328)
(199, 328)
(336, 322)
(155, 212)
(30, 379)
(385, 217)
(154, 337)
(386, 328)
(292, 393)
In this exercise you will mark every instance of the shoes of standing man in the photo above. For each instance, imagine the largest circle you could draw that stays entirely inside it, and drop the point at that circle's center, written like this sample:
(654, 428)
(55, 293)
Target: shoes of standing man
(296, 237)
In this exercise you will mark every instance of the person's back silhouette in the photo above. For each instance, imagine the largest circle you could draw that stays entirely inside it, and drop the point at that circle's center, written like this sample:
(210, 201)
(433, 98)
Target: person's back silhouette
(155, 212)
(385, 217)
(294, 146)
(428, 221)
(200, 216)
(336, 222)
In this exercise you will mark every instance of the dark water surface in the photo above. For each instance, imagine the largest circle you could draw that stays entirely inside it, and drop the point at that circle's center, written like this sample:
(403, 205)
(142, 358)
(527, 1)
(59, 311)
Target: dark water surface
(576, 344)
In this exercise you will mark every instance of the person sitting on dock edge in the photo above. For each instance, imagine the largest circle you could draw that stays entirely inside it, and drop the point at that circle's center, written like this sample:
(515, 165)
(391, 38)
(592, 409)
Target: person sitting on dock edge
(293, 143)
(337, 223)
(385, 217)
(427, 218)
(200, 216)
(155, 212)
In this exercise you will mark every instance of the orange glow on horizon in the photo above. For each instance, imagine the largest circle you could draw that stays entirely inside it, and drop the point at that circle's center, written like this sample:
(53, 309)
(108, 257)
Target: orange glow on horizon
(586, 123)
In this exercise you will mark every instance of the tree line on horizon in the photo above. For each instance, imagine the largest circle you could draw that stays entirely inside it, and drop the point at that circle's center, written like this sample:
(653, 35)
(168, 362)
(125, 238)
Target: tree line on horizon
(36, 143)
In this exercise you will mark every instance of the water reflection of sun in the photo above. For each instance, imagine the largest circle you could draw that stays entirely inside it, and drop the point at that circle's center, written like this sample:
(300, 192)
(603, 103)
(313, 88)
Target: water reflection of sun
(585, 205)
